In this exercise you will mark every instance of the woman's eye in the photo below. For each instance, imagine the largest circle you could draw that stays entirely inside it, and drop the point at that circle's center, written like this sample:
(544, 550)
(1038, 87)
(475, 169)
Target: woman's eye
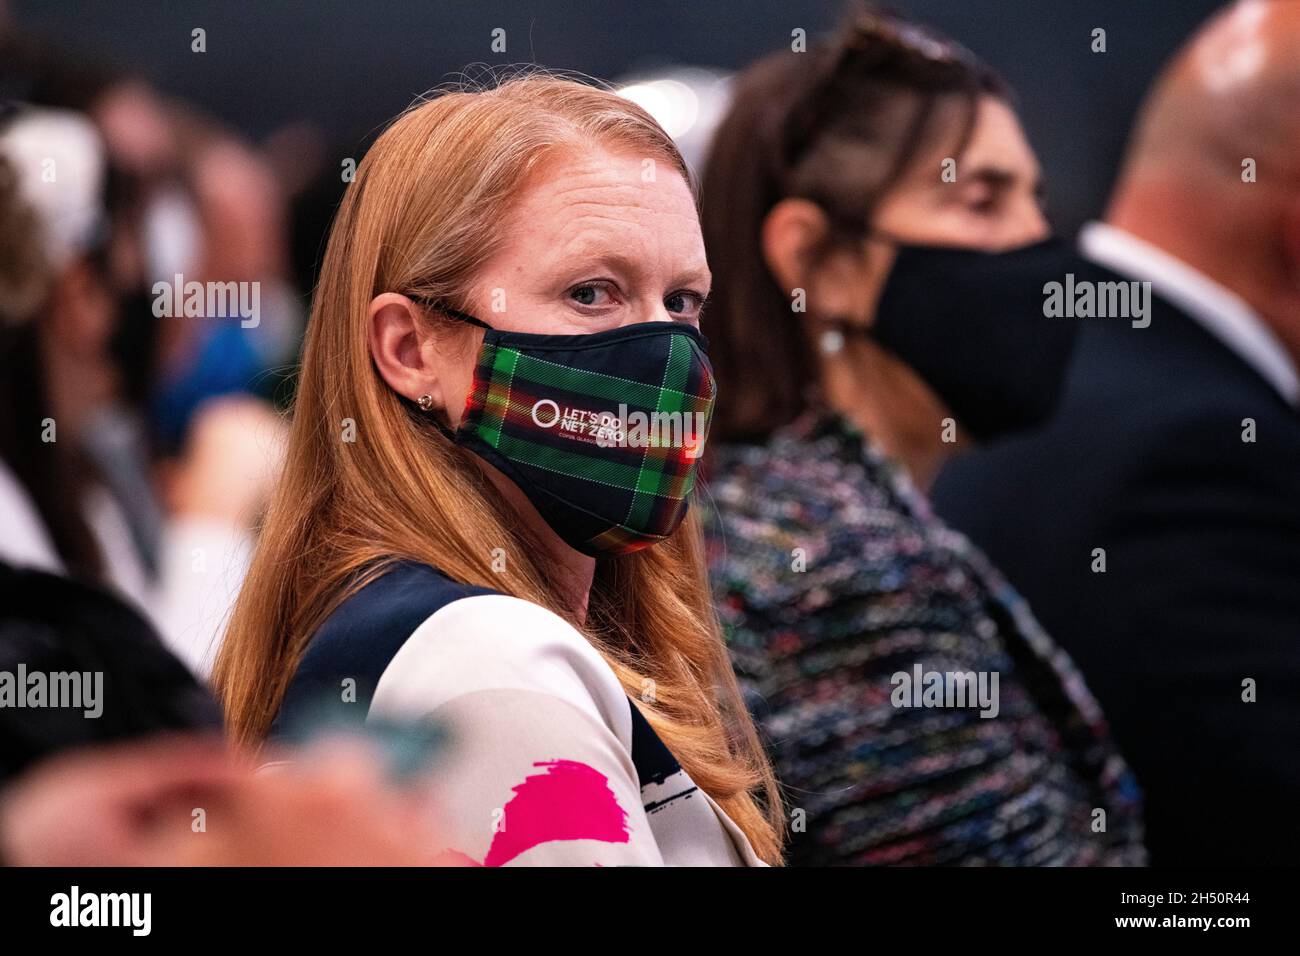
(686, 304)
(591, 294)
(985, 202)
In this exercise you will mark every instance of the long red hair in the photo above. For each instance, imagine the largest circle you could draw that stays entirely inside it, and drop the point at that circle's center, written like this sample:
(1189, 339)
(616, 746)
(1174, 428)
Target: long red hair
(421, 216)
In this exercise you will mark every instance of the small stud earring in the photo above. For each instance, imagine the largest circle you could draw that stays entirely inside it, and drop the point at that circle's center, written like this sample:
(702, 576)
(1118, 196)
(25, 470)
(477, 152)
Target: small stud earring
(831, 341)
(425, 402)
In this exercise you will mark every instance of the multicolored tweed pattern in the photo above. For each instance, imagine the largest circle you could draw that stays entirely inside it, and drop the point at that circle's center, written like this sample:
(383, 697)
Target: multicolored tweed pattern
(551, 419)
(831, 574)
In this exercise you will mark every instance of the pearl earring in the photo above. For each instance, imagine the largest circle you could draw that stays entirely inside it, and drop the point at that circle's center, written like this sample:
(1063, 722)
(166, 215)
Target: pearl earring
(425, 402)
(831, 342)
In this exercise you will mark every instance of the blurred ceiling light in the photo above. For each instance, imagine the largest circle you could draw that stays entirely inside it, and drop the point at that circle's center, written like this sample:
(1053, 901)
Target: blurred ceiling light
(673, 104)
(688, 102)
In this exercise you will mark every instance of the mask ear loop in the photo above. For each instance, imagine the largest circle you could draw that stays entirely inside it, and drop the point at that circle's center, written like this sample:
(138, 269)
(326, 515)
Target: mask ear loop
(441, 306)
(419, 407)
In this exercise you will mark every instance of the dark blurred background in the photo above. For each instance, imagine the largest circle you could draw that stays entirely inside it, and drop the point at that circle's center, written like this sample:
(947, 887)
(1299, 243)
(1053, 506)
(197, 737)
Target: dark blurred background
(348, 66)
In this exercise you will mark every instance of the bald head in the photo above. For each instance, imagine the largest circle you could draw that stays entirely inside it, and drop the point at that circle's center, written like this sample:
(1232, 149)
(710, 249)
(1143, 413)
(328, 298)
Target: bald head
(1232, 92)
(1212, 173)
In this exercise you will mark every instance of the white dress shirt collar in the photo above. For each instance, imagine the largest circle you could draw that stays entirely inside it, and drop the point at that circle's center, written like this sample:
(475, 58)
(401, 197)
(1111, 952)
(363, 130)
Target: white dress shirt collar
(1221, 312)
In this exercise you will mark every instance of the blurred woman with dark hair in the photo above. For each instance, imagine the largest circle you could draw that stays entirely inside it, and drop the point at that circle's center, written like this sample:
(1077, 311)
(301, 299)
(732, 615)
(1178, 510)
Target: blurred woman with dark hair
(851, 611)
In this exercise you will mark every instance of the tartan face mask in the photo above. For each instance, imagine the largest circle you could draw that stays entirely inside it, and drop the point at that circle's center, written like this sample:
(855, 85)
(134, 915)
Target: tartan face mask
(603, 432)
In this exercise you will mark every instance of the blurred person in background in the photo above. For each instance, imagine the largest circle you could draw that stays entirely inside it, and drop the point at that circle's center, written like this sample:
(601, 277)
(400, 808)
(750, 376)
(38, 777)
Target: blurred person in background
(50, 624)
(189, 442)
(440, 545)
(78, 492)
(831, 574)
(113, 774)
(1155, 524)
(53, 266)
(185, 196)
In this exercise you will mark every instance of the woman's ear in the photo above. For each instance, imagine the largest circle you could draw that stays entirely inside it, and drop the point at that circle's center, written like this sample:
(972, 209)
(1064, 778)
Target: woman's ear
(399, 346)
(836, 279)
(791, 233)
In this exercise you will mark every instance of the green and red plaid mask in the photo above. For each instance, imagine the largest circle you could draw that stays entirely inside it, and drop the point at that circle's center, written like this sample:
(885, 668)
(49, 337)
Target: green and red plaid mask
(602, 432)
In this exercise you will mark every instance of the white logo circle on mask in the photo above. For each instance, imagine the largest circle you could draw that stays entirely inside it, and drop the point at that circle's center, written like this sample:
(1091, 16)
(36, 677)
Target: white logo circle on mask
(555, 411)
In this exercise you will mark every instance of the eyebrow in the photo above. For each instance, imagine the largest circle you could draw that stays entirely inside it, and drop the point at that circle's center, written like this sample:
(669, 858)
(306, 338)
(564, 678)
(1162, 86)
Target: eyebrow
(999, 177)
(996, 176)
(622, 262)
(695, 277)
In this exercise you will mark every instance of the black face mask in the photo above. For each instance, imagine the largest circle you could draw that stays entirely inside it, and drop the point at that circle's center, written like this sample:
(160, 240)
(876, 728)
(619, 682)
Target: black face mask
(971, 324)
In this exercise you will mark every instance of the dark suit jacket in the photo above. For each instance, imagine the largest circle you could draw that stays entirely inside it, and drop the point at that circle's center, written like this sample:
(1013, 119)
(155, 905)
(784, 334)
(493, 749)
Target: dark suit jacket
(1201, 591)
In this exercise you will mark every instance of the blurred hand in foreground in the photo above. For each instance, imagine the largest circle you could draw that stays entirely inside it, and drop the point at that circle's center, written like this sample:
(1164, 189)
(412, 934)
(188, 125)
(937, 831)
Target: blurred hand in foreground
(192, 801)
